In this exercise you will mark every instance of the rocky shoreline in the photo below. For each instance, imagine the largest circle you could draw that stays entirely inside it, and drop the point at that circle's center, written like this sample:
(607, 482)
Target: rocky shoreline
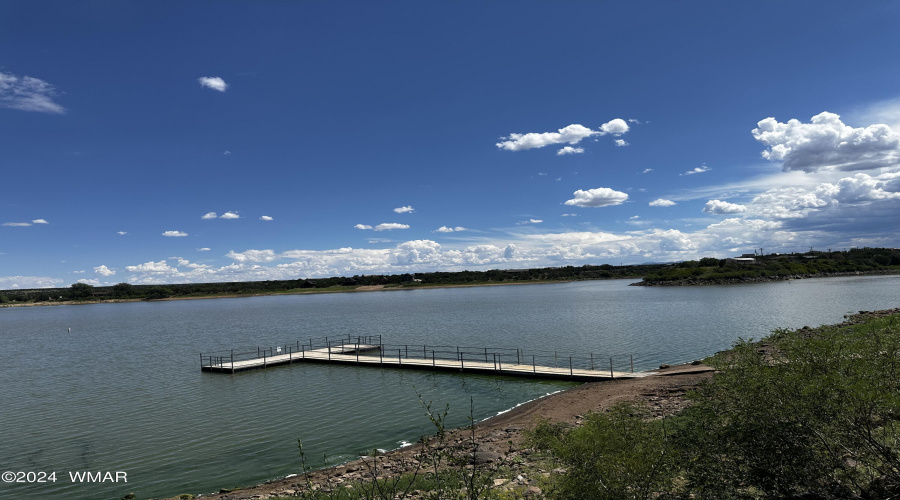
(500, 439)
(755, 279)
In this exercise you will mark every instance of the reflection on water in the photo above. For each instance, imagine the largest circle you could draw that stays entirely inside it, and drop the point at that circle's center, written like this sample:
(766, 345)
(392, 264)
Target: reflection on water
(122, 391)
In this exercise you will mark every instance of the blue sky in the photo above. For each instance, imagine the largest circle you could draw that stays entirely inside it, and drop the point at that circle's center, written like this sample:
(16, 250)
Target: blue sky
(172, 142)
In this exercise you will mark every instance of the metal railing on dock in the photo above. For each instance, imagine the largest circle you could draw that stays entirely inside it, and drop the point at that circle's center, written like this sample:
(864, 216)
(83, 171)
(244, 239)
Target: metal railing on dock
(370, 350)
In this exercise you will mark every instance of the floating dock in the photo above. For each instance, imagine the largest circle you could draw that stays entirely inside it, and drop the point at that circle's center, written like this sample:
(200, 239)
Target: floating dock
(371, 352)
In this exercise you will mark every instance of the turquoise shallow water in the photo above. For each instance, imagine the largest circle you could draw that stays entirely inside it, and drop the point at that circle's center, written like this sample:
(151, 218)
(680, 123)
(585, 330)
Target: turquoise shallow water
(123, 391)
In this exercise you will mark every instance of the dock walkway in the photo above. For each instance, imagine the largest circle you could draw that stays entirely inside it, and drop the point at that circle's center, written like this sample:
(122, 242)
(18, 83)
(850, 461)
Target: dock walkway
(371, 352)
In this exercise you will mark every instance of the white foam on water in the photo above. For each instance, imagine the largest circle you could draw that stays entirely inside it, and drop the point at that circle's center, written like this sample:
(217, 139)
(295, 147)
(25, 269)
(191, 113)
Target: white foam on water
(524, 403)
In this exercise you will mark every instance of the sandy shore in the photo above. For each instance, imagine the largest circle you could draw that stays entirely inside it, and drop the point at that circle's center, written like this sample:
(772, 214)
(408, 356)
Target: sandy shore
(503, 435)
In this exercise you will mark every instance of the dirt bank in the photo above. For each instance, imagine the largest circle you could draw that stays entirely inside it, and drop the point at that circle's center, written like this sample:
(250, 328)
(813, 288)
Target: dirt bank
(663, 394)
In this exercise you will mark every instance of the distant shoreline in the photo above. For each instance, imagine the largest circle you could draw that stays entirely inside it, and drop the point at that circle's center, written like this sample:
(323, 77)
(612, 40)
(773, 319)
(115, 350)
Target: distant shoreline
(761, 279)
(383, 288)
(372, 288)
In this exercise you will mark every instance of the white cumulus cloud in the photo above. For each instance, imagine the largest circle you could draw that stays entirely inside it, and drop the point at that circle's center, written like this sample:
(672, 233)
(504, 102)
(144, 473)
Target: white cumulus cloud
(571, 134)
(150, 267)
(445, 229)
(213, 82)
(615, 126)
(390, 226)
(661, 202)
(252, 255)
(404, 210)
(174, 234)
(827, 143)
(230, 215)
(266, 218)
(569, 150)
(104, 271)
(720, 207)
(363, 226)
(417, 252)
(597, 197)
(209, 215)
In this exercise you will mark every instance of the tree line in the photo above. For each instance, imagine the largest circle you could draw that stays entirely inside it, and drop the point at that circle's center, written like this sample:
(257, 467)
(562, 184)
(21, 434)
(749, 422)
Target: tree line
(127, 291)
(707, 268)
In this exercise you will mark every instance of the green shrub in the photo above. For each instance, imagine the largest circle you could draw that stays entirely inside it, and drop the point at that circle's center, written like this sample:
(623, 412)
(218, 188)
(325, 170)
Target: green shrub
(615, 455)
(816, 417)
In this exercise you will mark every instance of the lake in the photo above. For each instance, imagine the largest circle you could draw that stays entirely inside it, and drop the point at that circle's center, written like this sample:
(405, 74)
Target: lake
(118, 387)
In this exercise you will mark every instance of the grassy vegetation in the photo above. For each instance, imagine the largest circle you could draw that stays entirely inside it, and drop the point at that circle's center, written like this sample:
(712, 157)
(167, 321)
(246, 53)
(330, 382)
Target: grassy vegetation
(779, 266)
(446, 469)
(807, 414)
(811, 413)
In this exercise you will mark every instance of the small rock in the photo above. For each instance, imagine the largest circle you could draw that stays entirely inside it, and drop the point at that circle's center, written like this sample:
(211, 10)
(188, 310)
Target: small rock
(532, 491)
(663, 366)
(484, 457)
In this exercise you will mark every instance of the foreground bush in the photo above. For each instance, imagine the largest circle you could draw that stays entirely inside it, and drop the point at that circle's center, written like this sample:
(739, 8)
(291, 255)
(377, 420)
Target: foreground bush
(808, 414)
(815, 414)
(614, 455)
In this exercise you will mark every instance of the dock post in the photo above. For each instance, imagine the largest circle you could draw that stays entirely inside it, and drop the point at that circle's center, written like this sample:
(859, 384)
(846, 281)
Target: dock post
(265, 362)
(500, 361)
(632, 363)
(329, 349)
(406, 347)
(533, 364)
(518, 360)
(495, 361)
(462, 364)
(485, 355)
(380, 354)
(399, 357)
(433, 363)
(290, 350)
(611, 369)
(201, 360)
(357, 353)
